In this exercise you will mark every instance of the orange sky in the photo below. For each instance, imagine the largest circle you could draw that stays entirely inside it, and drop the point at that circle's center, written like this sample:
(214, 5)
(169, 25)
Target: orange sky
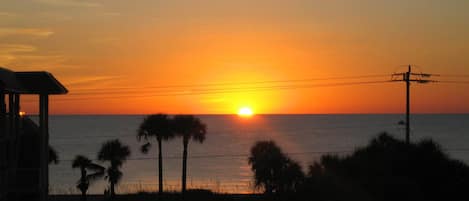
(97, 46)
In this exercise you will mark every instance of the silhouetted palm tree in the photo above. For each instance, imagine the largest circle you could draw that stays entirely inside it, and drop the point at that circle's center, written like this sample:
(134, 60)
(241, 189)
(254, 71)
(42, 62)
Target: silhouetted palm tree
(85, 164)
(115, 153)
(156, 126)
(188, 127)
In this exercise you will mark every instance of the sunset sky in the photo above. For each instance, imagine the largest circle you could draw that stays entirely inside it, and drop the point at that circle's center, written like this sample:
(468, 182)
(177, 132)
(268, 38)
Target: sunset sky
(213, 56)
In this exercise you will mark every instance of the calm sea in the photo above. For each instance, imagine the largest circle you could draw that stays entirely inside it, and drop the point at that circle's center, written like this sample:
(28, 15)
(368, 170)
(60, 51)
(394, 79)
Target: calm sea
(220, 163)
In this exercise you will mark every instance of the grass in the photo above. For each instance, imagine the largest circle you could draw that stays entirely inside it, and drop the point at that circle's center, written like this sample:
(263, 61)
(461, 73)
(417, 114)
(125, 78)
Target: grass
(198, 194)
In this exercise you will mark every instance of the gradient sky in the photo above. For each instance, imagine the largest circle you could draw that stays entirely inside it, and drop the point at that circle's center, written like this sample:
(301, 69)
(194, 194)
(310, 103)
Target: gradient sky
(98, 46)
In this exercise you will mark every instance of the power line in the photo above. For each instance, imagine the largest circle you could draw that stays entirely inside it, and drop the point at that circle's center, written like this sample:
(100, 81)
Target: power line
(454, 82)
(223, 91)
(236, 89)
(454, 75)
(237, 83)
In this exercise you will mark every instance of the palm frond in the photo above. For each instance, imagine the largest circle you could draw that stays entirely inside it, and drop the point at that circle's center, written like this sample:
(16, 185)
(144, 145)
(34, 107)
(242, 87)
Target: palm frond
(53, 156)
(95, 176)
(155, 126)
(80, 161)
(95, 167)
(145, 148)
(190, 127)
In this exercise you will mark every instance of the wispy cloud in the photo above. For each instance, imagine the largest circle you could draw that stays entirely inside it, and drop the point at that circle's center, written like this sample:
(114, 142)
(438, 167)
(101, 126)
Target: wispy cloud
(9, 48)
(111, 14)
(213, 100)
(90, 80)
(26, 57)
(8, 51)
(38, 62)
(104, 40)
(25, 31)
(70, 3)
(7, 14)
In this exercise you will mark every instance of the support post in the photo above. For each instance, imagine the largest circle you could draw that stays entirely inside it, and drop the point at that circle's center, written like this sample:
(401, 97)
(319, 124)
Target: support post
(11, 140)
(3, 112)
(16, 115)
(11, 112)
(44, 147)
(3, 144)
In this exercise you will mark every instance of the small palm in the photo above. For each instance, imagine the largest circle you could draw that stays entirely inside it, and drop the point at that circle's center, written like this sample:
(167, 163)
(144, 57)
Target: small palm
(116, 154)
(85, 165)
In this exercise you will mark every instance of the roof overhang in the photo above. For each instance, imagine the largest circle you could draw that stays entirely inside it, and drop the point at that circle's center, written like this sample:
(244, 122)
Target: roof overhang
(34, 82)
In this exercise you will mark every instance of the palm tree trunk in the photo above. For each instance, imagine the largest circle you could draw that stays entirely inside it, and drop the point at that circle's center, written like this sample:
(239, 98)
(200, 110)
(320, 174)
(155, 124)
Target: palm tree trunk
(83, 189)
(83, 195)
(112, 191)
(184, 164)
(160, 167)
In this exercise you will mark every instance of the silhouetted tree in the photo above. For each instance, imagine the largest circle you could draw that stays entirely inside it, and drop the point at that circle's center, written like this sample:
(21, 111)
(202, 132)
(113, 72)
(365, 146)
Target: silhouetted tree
(273, 170)
(292, 177)
(156, 126)
(390, 169)
(188, 127)
(116, 154)
(85, 180)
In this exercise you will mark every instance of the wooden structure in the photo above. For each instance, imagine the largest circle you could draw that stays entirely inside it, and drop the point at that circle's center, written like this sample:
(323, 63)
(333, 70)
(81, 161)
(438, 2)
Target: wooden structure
(24, 146)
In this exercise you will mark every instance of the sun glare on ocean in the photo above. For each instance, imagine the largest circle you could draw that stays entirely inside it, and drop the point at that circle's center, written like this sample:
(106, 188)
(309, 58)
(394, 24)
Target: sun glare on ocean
(245, 112)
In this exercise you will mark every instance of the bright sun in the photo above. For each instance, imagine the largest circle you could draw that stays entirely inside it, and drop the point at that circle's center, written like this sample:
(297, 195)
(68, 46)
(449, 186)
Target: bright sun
(245, 112)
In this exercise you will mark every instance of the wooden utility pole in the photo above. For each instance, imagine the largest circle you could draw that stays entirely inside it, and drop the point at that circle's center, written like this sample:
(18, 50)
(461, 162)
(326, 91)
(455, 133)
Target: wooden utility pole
(409, 77)
(407, 114)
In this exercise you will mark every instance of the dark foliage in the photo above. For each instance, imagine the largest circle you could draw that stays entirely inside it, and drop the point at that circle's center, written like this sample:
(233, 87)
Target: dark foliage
(273, 170)
(389, 169)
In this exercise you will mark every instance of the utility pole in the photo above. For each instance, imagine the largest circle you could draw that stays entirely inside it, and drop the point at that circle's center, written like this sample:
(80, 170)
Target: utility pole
(407, 111)
(409, 77)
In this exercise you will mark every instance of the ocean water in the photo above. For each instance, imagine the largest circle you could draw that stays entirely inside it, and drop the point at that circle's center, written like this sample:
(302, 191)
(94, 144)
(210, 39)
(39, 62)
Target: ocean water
(220, 162)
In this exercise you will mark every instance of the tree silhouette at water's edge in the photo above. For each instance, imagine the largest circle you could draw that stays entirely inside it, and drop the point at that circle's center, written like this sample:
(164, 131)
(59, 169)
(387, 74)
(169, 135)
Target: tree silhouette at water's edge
(85, 165)
(114, 152)
(273, 170)
(387, 169)
(156, 126)
(390, 169)
(189, 128)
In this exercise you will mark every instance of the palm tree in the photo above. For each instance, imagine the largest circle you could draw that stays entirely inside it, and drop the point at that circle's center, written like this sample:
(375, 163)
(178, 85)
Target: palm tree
(85, 164)
(115, 153)
(188, 127)
(155, 126)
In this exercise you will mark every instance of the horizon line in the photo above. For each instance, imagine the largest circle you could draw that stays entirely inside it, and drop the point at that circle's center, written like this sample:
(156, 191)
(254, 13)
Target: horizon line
(261, 114)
